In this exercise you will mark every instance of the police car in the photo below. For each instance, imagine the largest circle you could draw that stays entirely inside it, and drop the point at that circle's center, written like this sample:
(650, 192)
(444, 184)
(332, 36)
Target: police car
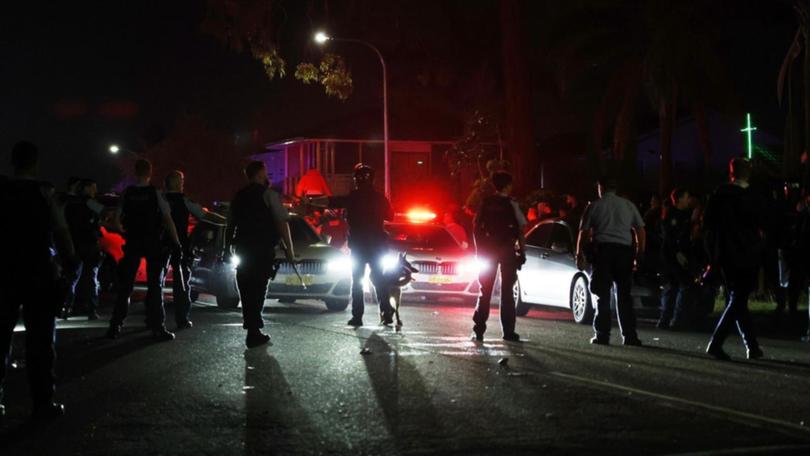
(447, 269)
(325, 270)
(550, 275)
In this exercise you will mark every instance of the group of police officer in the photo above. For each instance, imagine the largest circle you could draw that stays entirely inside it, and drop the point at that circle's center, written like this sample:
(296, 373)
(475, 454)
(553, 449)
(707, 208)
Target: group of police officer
(56, 249)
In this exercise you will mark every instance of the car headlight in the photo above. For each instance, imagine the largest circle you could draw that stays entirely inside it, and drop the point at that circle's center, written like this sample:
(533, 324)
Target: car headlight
(472, 266)
(389, 262)
(340, 264)
(235, 260)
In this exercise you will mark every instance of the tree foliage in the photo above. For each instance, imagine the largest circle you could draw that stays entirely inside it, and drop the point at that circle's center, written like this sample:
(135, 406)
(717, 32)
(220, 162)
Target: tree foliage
(253, 26)
(469, 152)
(332, 73)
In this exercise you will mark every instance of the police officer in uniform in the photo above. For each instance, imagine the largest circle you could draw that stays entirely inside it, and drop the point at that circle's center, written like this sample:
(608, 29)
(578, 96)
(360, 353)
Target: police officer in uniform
(676, 232)
(181, 208)
(29, 274)
(498, 229)
(256, 223)
(82, 215)
(734, 221)
(614, 230)
(143, 215)
(366, 212)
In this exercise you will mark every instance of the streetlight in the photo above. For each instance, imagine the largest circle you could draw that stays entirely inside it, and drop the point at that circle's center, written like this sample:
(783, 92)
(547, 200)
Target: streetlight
(321, 38)
(114, 149)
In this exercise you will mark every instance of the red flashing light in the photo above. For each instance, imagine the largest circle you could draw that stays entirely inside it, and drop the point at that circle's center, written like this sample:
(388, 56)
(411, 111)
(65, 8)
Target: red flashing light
(420, 216)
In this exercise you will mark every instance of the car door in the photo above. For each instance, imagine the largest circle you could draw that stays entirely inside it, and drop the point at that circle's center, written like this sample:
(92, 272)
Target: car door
(559, 265)
(533, 279)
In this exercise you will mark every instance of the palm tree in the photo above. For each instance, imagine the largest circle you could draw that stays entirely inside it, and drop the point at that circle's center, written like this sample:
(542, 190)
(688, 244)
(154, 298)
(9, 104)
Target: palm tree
(665, 51)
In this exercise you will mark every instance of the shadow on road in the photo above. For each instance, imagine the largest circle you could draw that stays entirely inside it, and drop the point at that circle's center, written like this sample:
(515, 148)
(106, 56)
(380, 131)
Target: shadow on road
(403, 396)
(275, 422)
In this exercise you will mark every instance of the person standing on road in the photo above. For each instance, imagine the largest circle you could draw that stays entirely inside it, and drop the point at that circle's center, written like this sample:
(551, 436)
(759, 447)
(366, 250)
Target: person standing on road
(145, 216)
(498, 230)
(256, 223)
(82, 214)
(676, 243)
(734, 223)
(611, 227)
(181, 208)
(32, 224)
(367, 210)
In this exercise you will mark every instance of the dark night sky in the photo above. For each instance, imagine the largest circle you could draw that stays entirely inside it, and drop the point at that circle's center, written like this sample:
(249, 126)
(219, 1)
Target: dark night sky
(77, 76)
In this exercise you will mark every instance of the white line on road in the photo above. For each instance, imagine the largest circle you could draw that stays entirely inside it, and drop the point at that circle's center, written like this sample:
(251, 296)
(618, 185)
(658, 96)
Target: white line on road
(744, 417)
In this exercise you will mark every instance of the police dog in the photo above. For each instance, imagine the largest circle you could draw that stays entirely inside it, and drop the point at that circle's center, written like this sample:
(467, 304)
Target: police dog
(392, 280)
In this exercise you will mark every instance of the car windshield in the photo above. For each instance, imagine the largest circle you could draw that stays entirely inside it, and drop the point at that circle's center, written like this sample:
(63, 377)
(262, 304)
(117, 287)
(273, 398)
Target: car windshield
(407, 237)
(302, 234)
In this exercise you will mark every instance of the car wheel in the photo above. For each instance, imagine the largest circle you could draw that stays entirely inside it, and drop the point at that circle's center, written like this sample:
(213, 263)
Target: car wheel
(227, 302)
(286, 300)
(521, 306)
(194, 295)
(337, 305)
(581, 306)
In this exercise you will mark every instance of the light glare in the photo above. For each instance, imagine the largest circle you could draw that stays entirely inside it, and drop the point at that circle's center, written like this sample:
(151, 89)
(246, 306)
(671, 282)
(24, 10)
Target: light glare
(321, 37)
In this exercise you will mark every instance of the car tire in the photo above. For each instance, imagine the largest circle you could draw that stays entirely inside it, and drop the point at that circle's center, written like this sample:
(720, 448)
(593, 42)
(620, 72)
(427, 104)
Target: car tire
(194, 295)
(580, 300)
(286, 300)
(227, 302)
(337, 305)
(521, 306)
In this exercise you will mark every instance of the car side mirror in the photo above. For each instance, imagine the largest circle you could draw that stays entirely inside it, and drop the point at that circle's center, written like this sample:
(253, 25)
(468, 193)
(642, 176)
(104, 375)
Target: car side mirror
(560, 247)
(327, 239)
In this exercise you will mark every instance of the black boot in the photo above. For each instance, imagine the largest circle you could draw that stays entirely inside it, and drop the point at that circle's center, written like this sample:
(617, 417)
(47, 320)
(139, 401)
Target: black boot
(256, 339)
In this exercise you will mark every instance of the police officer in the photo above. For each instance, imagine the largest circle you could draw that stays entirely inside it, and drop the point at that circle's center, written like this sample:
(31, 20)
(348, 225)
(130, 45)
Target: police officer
(143, 214)
(676, 233)
(611, 227)
(181, 208)
(734, 221)
(31, 224)
(366, 212)
(498, 228)
(256, 223)
(82, 215)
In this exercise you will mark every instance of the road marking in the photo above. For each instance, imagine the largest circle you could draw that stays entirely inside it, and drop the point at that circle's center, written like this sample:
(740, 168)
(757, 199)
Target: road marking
(747, 450)
(744, 417)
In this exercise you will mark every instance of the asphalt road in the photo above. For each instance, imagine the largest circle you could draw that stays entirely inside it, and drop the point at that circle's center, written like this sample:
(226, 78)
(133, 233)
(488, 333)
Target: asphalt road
(425, 390)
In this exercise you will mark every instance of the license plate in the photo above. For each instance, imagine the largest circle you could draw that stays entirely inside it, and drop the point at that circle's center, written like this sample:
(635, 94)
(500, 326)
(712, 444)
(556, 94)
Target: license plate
(293, 280)
(440, 279)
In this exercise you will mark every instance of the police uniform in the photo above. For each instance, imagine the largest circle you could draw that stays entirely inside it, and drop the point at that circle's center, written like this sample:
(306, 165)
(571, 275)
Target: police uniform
(676, 231)
(497, 228)
(255, 214)
(142, 210)
(181, 208)
(612, 219)
(82, 216)
(29, 276)
(366, 213)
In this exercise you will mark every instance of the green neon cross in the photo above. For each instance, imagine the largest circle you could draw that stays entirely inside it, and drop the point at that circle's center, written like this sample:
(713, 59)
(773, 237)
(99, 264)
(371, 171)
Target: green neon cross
(749, 131)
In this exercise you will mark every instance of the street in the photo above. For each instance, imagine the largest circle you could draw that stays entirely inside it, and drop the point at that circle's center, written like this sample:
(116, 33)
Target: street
(425, 390)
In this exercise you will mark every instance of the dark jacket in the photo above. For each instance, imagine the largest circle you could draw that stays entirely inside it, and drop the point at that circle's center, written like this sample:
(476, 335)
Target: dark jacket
(735, 223)
(496, 226)
(366, 212)
(676, 233)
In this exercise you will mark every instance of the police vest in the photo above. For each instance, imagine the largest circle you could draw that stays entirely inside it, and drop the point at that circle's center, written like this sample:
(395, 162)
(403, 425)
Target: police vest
(180, 213)
(496, 224)
(252, 218)
(82, 222)
(140, 214)
(26, 222)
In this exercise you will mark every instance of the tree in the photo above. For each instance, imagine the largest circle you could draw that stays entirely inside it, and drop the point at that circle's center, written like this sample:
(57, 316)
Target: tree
(665, 51)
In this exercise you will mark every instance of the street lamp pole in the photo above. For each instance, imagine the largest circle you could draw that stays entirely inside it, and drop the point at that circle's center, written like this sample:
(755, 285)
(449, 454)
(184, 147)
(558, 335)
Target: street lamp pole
(321, 38)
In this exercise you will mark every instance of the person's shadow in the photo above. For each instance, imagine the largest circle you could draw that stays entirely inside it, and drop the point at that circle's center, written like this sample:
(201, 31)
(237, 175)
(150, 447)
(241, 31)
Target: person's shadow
(402, 394)
(275, 423)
